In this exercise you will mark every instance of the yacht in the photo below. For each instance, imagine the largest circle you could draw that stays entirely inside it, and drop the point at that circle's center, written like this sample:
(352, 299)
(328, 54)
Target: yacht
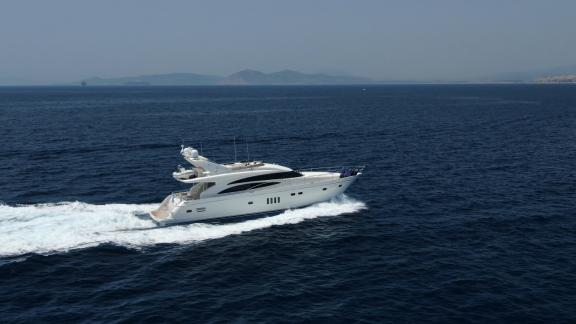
(242, 188)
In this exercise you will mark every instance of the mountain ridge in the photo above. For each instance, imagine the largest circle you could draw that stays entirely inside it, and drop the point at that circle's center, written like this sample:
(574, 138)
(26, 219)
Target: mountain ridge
(156, 79)
(244, 77)
(531, 75)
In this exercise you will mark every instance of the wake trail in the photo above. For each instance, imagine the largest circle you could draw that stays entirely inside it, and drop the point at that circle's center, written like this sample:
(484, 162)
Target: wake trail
(61, 227)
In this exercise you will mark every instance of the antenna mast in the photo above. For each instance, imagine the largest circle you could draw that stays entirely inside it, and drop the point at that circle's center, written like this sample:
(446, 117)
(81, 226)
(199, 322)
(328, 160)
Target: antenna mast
(234, 148)
(247, 151)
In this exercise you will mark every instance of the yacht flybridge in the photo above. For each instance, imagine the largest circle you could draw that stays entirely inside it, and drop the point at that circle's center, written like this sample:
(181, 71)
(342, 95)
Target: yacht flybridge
(241, 188)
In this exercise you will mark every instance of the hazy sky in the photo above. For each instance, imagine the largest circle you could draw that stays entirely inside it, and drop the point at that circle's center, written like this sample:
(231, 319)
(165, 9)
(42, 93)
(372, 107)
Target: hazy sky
(58, 40)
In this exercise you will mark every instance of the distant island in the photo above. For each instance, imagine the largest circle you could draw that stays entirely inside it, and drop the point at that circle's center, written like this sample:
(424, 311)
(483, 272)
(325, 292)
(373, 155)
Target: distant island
(563, 75)
(560, 74)
(570, 78)
(291, 77)
(245, 77)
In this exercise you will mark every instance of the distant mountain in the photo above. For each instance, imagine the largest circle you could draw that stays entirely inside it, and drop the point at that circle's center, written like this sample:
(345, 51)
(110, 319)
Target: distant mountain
(245, 77)
(565, 78)
(533, 75)
(289, 77)
(158, 80)
(15, 81)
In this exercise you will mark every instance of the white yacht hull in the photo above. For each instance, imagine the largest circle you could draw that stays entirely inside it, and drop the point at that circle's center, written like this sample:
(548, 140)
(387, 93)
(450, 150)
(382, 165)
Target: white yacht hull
(251, 202)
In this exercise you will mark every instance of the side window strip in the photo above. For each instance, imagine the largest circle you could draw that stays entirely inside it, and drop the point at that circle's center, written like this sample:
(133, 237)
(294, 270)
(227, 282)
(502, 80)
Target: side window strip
(270, 176)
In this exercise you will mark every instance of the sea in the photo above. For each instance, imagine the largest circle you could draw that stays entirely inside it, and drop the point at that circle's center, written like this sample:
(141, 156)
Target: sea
(465, 212)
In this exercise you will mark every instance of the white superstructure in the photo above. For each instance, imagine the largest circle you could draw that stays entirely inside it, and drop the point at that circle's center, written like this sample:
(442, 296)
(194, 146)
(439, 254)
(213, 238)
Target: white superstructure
(240, 188)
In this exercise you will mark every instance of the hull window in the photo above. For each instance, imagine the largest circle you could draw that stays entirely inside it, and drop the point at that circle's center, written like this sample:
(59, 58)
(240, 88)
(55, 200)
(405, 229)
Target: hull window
(273, 200)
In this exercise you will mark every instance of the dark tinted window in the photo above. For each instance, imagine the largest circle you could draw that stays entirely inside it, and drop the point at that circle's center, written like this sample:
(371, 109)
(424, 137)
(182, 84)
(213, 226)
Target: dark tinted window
(248, 186)
(270, 176)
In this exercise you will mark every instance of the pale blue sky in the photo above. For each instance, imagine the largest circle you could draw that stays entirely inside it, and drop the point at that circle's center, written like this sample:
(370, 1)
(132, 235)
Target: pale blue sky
(65, 40)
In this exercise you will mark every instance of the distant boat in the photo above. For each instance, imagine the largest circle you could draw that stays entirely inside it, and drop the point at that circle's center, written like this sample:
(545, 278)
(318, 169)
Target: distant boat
(83, 83)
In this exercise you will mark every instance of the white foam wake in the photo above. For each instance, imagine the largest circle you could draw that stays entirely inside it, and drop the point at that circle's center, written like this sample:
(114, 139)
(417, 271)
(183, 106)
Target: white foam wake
(50, 228)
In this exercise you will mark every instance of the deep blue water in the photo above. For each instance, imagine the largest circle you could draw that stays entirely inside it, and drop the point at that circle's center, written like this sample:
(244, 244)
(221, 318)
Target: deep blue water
(466, 212)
